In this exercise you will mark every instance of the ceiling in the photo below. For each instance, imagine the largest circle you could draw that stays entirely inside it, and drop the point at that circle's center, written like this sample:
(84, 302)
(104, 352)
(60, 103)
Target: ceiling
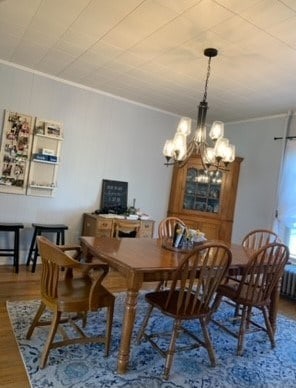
(151, 51)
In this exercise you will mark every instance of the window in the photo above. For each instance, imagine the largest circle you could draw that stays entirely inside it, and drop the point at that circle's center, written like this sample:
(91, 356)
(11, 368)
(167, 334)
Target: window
(287, 199)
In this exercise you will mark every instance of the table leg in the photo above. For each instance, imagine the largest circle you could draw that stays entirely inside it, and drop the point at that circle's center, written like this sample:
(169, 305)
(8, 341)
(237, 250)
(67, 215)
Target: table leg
(127, 329)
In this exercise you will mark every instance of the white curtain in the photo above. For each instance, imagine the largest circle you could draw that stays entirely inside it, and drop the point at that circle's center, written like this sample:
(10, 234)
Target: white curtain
(286, 217)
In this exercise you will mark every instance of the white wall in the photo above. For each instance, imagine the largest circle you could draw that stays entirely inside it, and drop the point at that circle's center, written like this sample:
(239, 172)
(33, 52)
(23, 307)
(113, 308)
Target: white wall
(104, 138)
(109, 138)
(257, 190)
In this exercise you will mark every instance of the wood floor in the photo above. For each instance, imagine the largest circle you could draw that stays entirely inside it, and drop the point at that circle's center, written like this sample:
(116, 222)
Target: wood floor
(25, 285)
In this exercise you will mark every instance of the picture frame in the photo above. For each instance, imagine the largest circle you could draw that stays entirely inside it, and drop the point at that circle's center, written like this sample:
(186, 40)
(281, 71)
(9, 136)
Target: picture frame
(16, 142)
(53, 128)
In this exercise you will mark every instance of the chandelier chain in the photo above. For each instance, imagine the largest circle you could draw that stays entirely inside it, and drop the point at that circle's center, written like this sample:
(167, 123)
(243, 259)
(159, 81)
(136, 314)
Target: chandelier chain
(207, 80)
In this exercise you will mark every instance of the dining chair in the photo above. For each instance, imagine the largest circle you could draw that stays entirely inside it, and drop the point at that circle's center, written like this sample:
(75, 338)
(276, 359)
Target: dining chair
(259, 279)
(127, 229)
(166, 231)
(166, 227)
(189, 298)
(257, 238)
(68, 286)
(253, 241)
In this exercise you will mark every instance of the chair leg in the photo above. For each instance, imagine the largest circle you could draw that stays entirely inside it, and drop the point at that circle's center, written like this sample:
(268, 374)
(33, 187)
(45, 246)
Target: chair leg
(215, 306)
(50, 338)
(242, 330)
(208, 342)
(38, 314)
(269, 328)
(144, 324)
(248, 320)
(172, 349)
(32, 245)
(109, 329)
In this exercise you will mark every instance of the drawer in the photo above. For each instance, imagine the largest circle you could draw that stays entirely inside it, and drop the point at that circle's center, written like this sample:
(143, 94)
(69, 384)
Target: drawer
(89, 227)
(104, 224)
(103, 233)
(146, 229)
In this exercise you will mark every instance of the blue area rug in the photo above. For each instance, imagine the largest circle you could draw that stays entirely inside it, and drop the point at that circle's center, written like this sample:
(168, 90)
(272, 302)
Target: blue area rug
(83, 366)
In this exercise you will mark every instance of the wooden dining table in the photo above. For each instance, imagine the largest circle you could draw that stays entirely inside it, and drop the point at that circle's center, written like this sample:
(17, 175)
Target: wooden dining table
(142, 260)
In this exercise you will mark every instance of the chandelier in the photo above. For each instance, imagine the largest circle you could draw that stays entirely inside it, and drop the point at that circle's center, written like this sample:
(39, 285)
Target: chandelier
(216, 152)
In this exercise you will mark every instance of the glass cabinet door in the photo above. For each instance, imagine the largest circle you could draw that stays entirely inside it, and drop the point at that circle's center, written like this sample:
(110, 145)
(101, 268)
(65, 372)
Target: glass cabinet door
(202, 190)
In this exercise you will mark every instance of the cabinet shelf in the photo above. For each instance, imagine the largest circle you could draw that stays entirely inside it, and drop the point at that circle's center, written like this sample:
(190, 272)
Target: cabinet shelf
(42, 187)
(59, 138)
(44, 162)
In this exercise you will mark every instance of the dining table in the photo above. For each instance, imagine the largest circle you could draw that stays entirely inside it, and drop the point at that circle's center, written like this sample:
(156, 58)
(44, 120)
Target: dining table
(142, 260)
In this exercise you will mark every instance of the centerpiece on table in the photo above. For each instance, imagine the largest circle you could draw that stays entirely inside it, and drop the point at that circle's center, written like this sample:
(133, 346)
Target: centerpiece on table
(184, 238)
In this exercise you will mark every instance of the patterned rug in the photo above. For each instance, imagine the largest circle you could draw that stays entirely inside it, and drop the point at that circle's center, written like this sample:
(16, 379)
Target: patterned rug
(83, 366)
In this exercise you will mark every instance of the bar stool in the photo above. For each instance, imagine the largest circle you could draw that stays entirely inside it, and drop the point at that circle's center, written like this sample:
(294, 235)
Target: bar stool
(39, 229)
(15, 228)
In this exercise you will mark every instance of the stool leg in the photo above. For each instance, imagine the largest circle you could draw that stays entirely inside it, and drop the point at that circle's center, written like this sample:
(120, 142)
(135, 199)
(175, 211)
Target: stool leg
(38, 233)
(60, 237)
(16, 250)
(33, 241)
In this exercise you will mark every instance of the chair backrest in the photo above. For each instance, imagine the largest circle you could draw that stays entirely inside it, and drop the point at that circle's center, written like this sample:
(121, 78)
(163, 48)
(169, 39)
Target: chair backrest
(127, 229)
(166, 227)
(262, 274)
(197, 278)
(53, 260)
(257, 238)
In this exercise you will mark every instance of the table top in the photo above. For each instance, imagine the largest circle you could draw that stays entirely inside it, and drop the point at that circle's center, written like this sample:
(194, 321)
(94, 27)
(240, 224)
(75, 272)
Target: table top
(145, 254)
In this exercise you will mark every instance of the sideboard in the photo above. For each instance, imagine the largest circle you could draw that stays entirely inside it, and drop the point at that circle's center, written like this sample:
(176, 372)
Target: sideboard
(100, 226)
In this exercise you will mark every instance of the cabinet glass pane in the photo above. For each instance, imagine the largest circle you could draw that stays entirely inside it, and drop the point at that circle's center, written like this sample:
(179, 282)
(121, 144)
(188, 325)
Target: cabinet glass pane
(202, 191)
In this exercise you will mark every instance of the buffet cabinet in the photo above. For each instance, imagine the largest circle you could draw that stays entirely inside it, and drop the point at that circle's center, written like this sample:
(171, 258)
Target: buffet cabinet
(99, 226)
(205, 199)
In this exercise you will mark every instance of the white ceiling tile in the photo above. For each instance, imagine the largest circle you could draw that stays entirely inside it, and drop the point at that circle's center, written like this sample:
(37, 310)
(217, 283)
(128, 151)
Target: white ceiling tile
(237, 5)
(101, 16)
(236, 29)
(28, 53)
(178, 5)
(7, 47)
(207, 14)
(290, 3)
(55, 61)
(267, 13)
(18, 12)
(146, 19)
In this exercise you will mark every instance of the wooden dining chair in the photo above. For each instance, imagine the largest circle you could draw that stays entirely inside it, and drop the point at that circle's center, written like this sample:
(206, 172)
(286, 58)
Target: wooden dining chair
(261, 275)
(127, 229)
(166, 227)
(253, 241)
(257, 238)
(68, 286)
(189, 298)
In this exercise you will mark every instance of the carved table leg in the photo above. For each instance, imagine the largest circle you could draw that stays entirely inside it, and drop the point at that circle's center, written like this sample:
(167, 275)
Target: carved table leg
(127, 329)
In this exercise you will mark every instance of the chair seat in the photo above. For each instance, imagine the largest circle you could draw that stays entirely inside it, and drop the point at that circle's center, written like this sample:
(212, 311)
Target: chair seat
(73, 295)
(50, 226)
(230, 291)
(159, 300)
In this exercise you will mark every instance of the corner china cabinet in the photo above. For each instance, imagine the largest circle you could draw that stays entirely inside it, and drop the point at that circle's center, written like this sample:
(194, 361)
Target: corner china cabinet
(205, 200)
